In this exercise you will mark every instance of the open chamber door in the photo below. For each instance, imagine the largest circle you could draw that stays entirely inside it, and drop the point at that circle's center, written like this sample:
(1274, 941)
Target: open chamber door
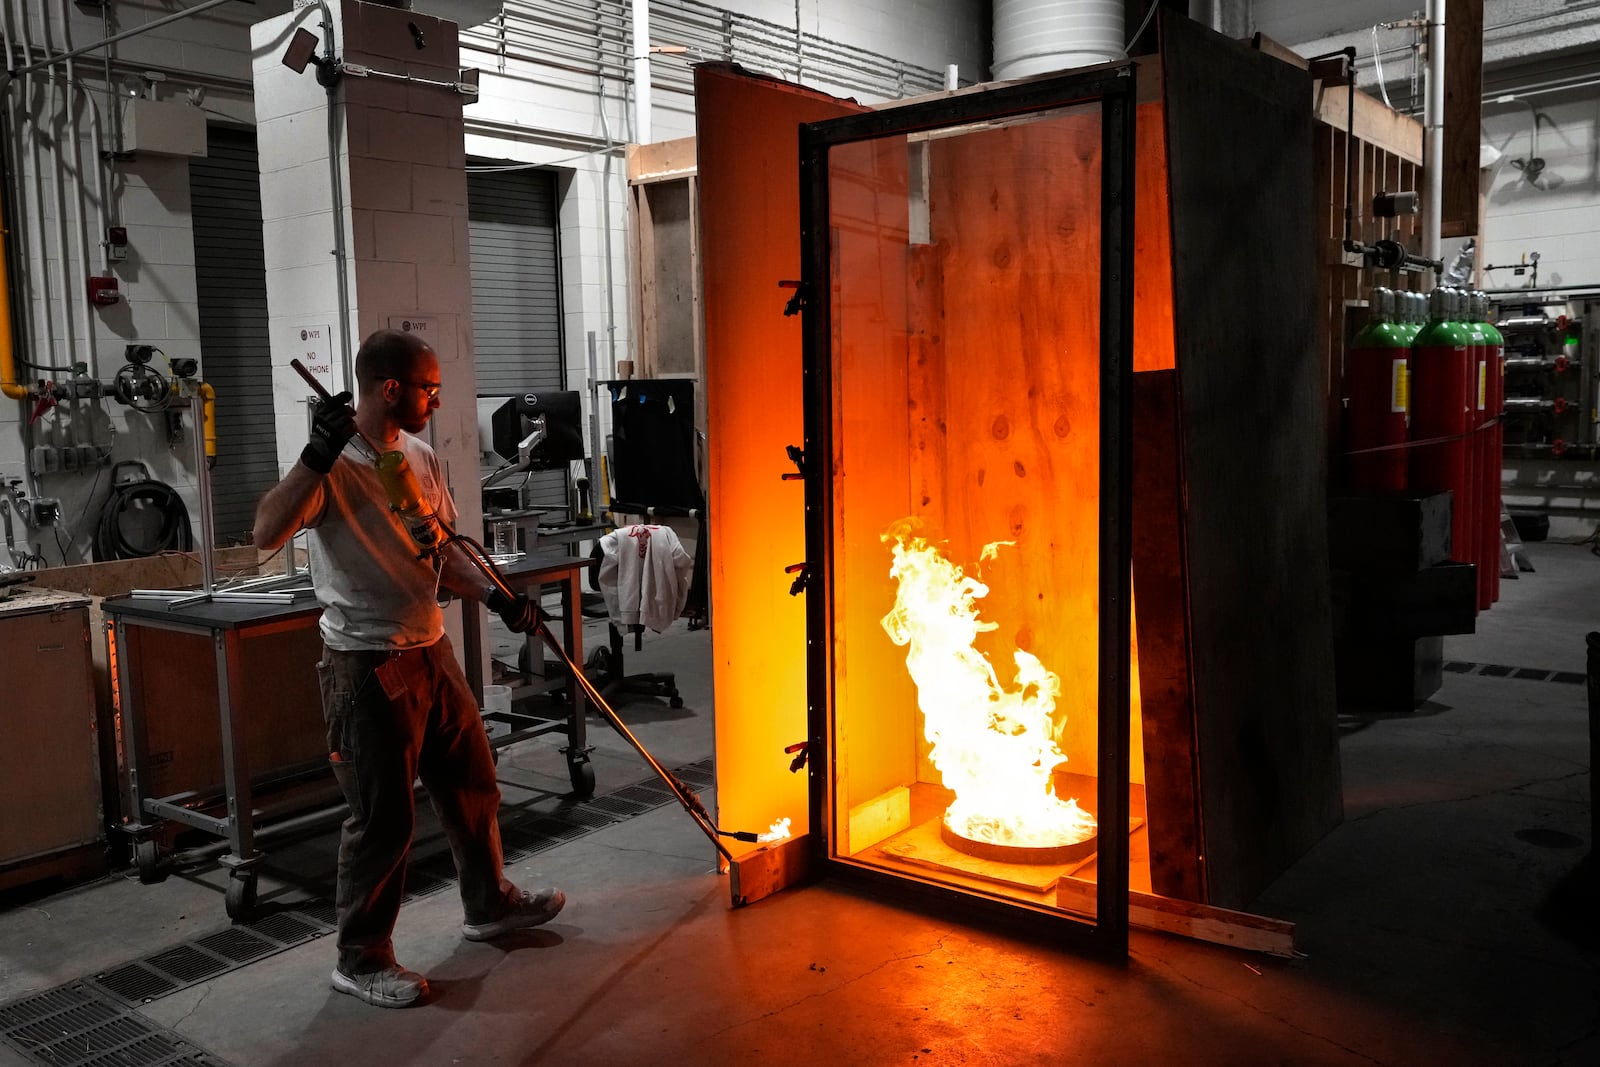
(967, 309)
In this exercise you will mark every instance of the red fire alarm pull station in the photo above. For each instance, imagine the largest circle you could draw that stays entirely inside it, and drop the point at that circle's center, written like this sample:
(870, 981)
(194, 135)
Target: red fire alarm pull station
(103, 290)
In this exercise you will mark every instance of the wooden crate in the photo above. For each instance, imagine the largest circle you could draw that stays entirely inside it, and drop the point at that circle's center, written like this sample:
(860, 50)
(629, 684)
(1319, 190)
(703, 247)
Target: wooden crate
(175, 681)
(49, 768)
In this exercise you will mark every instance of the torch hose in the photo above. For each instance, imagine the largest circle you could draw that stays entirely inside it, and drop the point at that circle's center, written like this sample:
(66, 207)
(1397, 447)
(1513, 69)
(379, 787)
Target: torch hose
(685, 796)
(691, 803)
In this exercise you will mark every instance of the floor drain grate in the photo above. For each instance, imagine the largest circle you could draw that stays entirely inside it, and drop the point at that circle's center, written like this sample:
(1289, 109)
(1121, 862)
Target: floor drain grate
(188, 964)
(644, 794)
(587, 815)
(77, 1025)
(135, 983)
(617, 806)
(282, 927)
(240, 946)
(1527, 674)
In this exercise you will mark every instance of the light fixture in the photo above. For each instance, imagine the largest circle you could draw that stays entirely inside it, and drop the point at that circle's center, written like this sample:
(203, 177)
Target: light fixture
(302, 50)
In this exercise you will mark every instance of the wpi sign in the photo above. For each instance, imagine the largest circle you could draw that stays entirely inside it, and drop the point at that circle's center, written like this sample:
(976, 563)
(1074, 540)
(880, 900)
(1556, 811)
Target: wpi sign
(312, 345)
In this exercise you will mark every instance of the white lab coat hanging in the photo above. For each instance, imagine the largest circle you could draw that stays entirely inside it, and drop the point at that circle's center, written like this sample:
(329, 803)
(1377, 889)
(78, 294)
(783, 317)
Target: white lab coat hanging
(645, 575)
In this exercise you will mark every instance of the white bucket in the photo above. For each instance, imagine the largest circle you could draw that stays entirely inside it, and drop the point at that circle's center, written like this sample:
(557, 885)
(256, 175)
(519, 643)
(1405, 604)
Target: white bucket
(497, 700)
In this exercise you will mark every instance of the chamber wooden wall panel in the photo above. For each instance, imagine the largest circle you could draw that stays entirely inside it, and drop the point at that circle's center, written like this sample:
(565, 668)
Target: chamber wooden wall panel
(1253, 454)
(749, 161)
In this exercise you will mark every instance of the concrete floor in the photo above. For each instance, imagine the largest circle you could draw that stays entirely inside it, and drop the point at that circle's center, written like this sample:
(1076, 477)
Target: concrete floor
(1425, 921)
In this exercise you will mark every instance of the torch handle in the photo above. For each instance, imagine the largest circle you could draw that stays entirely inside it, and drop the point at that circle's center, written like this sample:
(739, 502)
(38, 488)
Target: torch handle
(316, 387)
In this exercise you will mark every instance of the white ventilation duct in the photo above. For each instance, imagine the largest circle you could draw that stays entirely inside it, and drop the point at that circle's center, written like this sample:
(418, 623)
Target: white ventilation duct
(1038, 36)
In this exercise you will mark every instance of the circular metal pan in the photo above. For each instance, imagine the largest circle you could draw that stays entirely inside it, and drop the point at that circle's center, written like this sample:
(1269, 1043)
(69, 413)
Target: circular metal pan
(1035, 856)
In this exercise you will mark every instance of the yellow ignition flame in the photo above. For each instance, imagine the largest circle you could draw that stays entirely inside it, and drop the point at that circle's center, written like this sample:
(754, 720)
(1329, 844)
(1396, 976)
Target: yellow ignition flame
(993, 744)
(777, 832)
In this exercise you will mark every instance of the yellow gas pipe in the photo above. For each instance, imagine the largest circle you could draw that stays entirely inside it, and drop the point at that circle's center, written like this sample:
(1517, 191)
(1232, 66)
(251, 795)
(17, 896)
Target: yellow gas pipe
(208, 416)
(9, 385)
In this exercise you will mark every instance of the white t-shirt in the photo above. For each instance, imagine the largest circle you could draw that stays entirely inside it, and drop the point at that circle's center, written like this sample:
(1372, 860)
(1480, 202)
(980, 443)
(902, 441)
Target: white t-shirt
(376, 594)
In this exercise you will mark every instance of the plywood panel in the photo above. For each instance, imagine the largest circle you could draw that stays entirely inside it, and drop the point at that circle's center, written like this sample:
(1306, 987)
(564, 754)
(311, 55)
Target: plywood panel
(1166, 699)
(1015, 221)
(1463, 107)
(174, 676)
(1253, 454)
(748, 142)
(49, 778)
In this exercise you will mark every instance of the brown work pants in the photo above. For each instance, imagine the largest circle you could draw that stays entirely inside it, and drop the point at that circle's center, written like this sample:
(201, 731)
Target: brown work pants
(394, 717)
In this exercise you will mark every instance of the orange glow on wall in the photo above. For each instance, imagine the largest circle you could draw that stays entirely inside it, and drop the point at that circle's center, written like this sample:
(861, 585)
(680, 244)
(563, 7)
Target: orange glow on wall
(750, 232)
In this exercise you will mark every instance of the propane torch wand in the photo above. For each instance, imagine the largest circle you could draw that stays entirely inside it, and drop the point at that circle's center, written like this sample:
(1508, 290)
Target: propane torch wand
(323, 394)
(478, 558)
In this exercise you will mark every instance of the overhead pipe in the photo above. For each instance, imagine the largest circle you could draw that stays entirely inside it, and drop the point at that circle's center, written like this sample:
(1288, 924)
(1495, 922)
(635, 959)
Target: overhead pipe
(146, 27)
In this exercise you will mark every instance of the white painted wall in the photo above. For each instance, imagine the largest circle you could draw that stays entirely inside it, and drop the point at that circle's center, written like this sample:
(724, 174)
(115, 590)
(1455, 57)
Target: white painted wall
(534, 115)
(1560, 217)
(149, 194)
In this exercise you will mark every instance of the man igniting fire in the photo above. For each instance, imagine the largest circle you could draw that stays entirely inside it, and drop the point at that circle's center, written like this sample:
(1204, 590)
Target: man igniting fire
(396, 702)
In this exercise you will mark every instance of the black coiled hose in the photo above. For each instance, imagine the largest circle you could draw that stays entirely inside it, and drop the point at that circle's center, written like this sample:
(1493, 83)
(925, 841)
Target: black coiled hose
(142, 518)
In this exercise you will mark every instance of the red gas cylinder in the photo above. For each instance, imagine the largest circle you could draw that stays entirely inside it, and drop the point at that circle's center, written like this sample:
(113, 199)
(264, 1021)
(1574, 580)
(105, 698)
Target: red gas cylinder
(1489, 482)
(1485, 365)
(1375, 379)
(1443, 384)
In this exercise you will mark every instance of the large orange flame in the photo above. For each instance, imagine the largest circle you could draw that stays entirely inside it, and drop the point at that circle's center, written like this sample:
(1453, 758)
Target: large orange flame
(993, 744)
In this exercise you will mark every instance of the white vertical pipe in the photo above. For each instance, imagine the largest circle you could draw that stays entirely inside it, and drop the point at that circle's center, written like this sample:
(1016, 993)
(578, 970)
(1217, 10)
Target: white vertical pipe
(97, 146)
(952, 77)
(38, 232)
(58, 127)
(641, 73)
(80, 207)
(1433, 158)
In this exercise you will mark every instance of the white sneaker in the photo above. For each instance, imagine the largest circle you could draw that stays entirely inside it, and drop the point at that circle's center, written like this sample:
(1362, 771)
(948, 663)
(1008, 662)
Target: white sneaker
(524, 909)
(392, 987)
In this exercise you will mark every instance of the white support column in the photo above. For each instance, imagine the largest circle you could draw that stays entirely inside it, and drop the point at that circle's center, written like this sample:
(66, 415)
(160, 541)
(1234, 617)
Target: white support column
(1433, 152)
(642, 102)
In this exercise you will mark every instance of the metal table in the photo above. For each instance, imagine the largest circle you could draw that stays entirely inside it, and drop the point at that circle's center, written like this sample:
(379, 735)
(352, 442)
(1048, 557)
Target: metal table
(532, 572)
(228, 625)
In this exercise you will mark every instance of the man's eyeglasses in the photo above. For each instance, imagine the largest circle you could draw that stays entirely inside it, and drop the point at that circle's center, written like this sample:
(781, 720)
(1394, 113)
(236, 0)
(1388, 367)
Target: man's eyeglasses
(429, 391)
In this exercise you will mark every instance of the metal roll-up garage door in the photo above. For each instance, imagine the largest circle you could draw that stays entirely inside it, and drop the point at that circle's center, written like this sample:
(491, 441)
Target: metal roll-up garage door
(231, 279)
(516, 295)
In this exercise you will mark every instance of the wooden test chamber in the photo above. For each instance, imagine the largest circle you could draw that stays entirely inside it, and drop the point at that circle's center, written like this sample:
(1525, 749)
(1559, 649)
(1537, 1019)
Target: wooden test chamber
(1230, 557)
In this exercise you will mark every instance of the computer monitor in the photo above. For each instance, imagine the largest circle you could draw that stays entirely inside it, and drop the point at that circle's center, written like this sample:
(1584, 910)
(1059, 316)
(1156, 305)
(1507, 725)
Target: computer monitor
(507, 428)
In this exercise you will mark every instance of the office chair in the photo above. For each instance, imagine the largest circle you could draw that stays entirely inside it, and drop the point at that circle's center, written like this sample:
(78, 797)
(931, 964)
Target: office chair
(653, 472)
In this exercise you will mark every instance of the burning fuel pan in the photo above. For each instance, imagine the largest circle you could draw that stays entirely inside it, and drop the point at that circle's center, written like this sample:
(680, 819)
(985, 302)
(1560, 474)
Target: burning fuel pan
(999, 852)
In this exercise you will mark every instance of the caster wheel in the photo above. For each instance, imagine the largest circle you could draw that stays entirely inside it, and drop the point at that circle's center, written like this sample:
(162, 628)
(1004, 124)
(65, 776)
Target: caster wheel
(241, 898)
(582, 775)
(148, 859)
(675, 701)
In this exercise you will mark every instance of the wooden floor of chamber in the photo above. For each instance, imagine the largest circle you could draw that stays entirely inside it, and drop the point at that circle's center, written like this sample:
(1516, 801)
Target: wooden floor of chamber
(923, 847)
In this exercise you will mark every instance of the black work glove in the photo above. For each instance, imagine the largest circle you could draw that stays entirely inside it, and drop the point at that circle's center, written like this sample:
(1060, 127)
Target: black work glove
(332, 425)
(518, 613)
